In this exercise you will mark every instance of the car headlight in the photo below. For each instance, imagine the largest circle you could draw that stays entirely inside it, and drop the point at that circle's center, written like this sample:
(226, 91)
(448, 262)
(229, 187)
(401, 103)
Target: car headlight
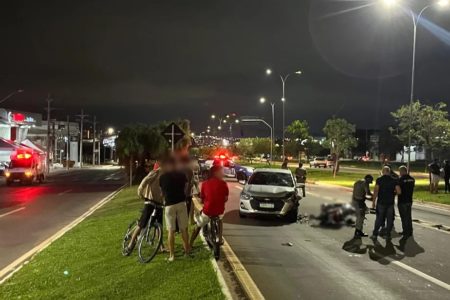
(246, 196)
(7, 174)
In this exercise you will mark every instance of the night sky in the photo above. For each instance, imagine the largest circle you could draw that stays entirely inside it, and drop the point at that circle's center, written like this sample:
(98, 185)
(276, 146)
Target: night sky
(147, 61)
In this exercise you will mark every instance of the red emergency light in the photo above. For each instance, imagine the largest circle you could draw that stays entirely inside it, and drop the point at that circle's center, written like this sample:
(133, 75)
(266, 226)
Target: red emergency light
(18, 117)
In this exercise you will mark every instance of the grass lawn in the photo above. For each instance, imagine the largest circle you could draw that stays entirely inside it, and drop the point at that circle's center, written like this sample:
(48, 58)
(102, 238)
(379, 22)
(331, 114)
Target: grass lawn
(86, 263)
(347, 179)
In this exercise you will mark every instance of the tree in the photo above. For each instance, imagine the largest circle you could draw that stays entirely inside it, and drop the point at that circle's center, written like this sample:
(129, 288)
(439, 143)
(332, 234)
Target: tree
(340, 138)
(298, 130)
(261, 145)
(245, 148)
(429, 126)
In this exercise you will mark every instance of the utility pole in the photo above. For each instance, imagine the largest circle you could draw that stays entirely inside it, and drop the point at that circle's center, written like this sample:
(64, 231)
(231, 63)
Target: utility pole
(68, 143)
(81, 116)
(93, 143)
(49, 101)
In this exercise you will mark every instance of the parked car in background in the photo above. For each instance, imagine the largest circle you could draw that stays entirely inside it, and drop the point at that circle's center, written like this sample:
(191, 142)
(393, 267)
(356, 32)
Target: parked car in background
(318, 162)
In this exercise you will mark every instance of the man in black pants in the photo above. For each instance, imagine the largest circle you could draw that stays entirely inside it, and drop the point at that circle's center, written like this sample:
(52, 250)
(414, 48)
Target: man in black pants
(447, 175)
(405, 200)
(383, 199)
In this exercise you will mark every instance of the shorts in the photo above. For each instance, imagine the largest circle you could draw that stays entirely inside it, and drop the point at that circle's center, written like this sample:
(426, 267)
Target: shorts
(435, 178)
(203, 220)
(176, 213)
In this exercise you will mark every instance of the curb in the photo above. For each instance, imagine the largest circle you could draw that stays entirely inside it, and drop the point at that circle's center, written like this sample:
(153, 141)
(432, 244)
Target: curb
(251, 289)
(223, 285)
(16, 265)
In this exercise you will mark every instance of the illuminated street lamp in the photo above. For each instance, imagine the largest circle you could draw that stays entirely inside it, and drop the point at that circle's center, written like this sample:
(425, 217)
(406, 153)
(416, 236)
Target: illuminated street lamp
(263, 100)
(416, 20)
(110, 131)
(10, 95)
(283, 98)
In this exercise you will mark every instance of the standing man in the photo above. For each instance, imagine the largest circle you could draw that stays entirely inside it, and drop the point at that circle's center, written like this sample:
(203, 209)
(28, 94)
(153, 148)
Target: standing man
(285, 163)
(447, 175)
(300, 175)
(173, 184)
(435, 175)
(405, 200)
(383, 199)
(361, 190)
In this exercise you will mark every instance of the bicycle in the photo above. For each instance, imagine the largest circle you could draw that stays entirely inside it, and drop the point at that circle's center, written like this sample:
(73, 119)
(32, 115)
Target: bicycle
(150, 238)
(212, 236)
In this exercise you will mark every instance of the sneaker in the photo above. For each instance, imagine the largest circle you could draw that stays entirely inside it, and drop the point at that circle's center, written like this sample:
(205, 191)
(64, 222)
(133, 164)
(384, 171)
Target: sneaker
(170, 259)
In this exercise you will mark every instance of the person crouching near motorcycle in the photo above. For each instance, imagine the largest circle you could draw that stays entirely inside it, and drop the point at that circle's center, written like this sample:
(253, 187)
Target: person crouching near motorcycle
(214, 195)
(361, 190)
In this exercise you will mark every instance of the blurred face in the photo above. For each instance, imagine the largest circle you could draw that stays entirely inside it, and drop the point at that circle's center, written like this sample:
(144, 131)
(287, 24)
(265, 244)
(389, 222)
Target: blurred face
(402, 171)
(300, 165)
(386, 171)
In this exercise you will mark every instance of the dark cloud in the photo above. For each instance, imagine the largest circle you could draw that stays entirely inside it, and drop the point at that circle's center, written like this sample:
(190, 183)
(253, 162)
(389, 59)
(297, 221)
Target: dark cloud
(147, 61)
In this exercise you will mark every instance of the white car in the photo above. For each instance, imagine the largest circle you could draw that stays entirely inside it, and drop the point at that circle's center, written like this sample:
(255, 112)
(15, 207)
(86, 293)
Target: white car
(270, 192)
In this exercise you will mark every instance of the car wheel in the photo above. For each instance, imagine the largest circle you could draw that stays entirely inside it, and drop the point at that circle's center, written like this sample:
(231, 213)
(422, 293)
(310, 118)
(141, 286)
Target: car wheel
(241, 215)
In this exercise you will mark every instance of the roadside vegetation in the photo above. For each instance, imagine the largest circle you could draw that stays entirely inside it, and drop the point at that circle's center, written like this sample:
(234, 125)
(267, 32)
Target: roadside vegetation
(86, 263)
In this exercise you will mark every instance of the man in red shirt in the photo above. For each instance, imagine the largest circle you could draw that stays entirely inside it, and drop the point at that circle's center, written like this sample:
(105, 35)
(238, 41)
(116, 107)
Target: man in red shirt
(214, 194)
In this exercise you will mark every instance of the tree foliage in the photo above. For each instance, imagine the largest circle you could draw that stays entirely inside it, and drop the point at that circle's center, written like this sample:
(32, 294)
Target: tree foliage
(298, 130)
(340, 135)
(430, 126)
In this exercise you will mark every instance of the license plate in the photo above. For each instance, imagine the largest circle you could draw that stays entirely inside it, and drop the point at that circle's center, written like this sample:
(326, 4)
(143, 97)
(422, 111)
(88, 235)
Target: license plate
(266, 205)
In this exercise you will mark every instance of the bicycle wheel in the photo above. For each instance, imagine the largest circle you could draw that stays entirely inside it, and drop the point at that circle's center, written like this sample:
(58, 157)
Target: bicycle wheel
(150, 242)
(127, 237)
(215, 240)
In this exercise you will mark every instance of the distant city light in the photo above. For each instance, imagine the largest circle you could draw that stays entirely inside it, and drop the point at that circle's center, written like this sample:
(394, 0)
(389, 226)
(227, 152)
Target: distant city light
(213, 116)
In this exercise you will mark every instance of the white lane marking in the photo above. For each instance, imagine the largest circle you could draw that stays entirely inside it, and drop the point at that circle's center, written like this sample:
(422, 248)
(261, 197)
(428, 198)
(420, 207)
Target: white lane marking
(65, 192)
(419, 273)
(12, 211)
(13, 267)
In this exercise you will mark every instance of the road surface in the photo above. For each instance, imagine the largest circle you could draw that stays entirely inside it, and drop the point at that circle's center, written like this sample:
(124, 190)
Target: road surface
(325, 263)
(31, 214)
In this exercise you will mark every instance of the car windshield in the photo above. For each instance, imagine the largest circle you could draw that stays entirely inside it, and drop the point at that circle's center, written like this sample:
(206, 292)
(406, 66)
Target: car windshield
(20, 163)
(320, 158)
(271, 178)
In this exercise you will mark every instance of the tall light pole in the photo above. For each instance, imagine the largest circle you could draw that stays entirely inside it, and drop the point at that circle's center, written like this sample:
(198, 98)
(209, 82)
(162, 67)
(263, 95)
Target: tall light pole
(416, 20)
(283, 99)
(263, 100)
(81, 116)
(271, 133)
(10, 95)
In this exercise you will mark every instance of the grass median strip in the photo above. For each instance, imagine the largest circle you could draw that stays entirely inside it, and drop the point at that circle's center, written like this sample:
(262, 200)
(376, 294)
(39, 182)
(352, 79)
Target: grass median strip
(86, 263)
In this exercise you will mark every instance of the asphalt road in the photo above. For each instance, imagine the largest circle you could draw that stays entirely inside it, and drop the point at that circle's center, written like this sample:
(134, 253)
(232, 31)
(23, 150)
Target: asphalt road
(325, 263)
(31, 214)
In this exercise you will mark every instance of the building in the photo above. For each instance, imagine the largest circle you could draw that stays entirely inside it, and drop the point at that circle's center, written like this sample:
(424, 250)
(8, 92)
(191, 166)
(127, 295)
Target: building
(14, 125)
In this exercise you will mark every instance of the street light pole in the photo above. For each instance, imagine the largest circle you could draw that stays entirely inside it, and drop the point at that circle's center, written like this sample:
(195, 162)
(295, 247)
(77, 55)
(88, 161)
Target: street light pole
(10, 95)
(272, 104)
(283, 100)
(271, 133)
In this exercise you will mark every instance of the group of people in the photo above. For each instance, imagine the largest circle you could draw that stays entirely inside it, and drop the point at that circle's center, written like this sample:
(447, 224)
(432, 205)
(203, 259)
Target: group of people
(172, 184)
(436, 172)
(386, 188)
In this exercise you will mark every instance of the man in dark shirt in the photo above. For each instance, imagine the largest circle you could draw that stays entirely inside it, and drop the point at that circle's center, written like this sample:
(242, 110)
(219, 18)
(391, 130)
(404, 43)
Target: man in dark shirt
(405, 199)
(383, 199)
(173, 185)
(447, 176)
